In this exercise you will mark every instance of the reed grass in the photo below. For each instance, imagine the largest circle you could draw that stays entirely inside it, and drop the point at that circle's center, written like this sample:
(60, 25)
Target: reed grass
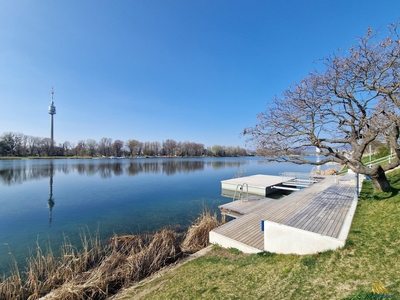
(97, 270)
(11, 287)
(196, 237)
(371, 255)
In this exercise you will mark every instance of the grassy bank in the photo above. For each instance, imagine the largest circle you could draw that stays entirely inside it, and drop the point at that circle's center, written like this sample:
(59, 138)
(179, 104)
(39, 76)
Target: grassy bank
(372, 253)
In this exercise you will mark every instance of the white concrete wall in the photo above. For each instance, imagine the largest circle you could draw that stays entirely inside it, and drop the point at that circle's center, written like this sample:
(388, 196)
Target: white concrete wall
(344, 232)
(253, 190)
(283, 239)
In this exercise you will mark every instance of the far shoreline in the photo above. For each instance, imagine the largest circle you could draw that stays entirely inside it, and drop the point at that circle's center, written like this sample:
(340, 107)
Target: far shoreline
(117, 158)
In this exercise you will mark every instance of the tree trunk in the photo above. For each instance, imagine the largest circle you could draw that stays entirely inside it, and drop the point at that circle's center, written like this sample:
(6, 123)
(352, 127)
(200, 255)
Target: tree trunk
(379, 179)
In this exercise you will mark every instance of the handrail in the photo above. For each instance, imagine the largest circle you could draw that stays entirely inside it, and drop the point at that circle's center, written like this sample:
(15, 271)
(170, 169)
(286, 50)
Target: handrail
(381, 159)
(240, 187)
(297, 175)
(240, 173)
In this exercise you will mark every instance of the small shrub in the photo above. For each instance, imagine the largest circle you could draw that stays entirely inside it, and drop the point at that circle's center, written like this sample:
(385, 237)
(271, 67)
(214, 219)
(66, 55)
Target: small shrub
(309, 262)
(349, 243)
(235, 251)
(266, 254)
(216, 247)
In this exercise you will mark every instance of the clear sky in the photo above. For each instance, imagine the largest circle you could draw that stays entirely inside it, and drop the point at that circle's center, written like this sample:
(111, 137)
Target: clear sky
(151, 70)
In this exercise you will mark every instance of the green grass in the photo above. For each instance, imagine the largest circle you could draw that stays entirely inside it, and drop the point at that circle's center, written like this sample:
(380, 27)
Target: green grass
(371, 253)
(366, 161)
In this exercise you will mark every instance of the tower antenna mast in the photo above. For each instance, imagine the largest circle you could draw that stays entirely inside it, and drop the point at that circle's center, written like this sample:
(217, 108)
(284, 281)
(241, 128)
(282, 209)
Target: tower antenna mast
(52, 112)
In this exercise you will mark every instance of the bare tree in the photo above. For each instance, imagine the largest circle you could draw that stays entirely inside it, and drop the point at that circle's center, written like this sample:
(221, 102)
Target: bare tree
(10, 143)
(170, 147)
(19, 144)
(191, 149)
(133, 146)
(198, 149)
(140, 149)
(67, 148)
(218, 150)
(46, 146)
(37, 146)
(349, 106)
(3, 148)
(117, 147)
(105, 146)
(156, 147)
(151, 148)
(91, 146)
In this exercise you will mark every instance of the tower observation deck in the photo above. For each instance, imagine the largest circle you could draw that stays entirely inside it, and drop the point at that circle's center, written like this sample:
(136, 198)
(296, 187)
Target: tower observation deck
(52, 112)
(52, 108)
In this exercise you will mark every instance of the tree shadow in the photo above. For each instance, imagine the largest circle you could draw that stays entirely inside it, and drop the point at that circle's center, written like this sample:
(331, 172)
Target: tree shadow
(386, 195)
(368, 192)
(395, 181)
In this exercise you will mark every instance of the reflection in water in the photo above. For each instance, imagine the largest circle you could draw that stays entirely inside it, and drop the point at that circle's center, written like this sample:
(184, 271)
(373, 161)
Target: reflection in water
(113, 196)
(17, 174)
(50, 201)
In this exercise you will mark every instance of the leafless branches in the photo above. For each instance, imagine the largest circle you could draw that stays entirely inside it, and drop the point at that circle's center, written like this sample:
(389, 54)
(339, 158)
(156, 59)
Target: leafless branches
(354, 102)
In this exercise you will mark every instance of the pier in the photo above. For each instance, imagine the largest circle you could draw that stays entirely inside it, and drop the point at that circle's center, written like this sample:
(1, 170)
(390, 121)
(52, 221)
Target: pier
(314, 219)
(257, 184)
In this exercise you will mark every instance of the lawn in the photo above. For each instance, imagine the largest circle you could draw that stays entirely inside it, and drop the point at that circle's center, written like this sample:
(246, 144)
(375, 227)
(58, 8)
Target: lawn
(371, 254)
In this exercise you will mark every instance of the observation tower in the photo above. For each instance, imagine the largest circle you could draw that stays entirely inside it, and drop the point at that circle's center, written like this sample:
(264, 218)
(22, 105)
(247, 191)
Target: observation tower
(52, 112)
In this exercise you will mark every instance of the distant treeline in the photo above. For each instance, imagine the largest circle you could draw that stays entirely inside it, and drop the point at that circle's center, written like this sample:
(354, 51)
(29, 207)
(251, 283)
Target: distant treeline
(18, 144)
(107, 168)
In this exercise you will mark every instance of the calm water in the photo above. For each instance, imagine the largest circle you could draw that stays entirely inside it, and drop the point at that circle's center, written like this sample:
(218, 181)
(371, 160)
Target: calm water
(45, 200)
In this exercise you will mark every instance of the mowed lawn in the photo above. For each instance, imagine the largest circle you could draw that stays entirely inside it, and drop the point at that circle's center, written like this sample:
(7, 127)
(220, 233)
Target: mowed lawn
(372, 253)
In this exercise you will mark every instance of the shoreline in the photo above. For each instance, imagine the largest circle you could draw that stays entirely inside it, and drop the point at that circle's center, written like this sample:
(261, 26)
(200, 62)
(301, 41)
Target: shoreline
(107, 269)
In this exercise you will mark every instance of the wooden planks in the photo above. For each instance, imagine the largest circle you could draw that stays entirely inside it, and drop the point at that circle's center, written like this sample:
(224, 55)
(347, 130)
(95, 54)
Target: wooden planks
(320, 208)
(246, 229)
(244, 207)
(325, 213)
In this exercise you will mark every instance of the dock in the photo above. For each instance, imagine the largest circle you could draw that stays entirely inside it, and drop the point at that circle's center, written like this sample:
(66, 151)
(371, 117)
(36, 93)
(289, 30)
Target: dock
(314, 219)
(261, 185)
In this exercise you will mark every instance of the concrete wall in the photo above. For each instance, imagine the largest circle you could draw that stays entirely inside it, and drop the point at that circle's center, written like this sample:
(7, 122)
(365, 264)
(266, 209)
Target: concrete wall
(283, 239)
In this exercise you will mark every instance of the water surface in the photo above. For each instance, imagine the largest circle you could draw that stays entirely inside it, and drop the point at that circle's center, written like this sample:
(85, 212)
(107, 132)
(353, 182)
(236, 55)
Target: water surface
(48, 199)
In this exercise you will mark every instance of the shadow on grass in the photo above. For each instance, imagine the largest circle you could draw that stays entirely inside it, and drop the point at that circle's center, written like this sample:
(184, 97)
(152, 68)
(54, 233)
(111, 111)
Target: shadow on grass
(310, 262)
(368, 193)
(266, 254)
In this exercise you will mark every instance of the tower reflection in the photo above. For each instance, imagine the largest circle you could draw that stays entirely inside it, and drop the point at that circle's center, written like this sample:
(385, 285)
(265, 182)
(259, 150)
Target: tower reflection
(50, 201)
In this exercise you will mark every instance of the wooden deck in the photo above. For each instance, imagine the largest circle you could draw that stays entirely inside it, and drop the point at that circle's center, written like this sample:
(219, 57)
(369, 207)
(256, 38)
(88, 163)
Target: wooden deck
(325, 213)
(320, 208)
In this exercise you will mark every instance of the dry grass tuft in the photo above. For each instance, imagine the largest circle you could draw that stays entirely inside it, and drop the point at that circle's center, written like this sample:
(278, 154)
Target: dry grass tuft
(132, 258)
(97, 271)
(197, 236)
(12, 287)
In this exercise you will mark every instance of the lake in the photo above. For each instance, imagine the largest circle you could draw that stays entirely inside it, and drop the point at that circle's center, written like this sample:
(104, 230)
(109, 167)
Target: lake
(44, 200)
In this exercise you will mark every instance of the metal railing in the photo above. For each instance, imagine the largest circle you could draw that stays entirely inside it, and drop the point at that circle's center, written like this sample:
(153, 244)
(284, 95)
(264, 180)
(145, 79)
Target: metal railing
(240, 173)
(380, 160)
(297, 175)
(240, 191)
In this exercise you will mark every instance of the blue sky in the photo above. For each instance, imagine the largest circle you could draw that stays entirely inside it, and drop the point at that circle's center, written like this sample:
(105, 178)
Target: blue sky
(196, 71)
